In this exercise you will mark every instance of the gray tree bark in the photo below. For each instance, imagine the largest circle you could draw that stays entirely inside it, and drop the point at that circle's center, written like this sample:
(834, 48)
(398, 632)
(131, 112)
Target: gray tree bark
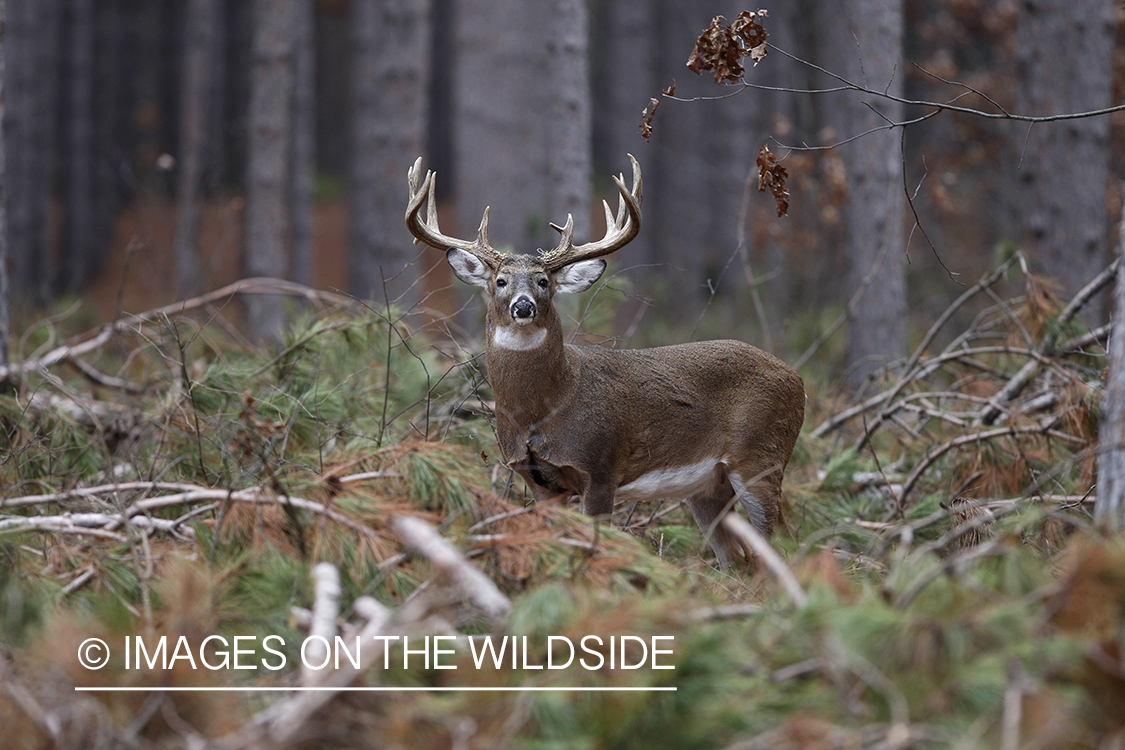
(31, 63)
(863, 41)
(1065, 65)
(197, 99)
(627, 35)
(5, 321)
(569, 117)
(390, 78)
(304, 141)
(269, 221)
(82, 242)
(510, 152)
(1109, 509)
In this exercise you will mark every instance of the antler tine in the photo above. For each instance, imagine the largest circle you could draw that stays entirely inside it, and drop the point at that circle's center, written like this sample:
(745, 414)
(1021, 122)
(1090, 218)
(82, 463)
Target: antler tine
(620, 229)
(482, 230)
(428, 232)
(567, 233)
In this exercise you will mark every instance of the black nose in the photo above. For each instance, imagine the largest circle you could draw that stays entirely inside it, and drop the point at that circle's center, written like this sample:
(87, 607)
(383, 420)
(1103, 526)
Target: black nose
(523, 308)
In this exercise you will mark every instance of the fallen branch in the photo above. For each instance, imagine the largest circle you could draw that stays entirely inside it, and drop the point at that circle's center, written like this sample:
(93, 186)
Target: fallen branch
(322, 628)
(418, 534)
(281, 724)
(929, 459)
(745, 532)
(96, 338)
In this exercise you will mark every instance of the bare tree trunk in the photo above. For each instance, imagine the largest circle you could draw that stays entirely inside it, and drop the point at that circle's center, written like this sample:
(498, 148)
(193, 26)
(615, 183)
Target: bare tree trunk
(304, 141)
(269, 221)
(677, 204)
(863, 39)
(504, 145)
(569, 118)
(1066, 65)
(1110, 506)
(30, 51)
(5, 322)
(390, 78)
(627, 38)
(196, 102)
(82, 242)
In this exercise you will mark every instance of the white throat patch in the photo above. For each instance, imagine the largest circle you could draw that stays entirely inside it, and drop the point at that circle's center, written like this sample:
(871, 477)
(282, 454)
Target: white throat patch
(518, 338)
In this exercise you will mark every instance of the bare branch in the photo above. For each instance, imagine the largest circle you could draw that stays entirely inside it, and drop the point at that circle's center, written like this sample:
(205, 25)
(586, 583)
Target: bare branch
(752, 538)
(429, 543)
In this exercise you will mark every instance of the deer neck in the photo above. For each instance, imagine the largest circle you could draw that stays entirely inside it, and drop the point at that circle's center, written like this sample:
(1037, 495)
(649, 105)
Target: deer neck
(528, 368)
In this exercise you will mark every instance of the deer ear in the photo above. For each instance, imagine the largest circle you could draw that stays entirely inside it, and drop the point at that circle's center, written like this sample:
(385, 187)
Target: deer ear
(468, 267)
(578, 277)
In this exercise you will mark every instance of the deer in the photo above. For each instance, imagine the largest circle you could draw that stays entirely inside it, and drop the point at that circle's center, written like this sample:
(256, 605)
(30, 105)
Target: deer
(706, 423)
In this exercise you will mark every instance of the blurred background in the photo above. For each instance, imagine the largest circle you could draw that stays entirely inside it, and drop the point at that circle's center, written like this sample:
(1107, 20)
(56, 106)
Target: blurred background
(157, 149)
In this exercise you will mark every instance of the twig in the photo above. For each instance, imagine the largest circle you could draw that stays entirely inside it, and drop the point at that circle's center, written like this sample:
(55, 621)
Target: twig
(1079, 301)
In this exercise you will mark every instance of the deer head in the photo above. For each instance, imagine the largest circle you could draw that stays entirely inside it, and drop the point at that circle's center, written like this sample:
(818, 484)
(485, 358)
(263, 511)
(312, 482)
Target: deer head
(522, 286)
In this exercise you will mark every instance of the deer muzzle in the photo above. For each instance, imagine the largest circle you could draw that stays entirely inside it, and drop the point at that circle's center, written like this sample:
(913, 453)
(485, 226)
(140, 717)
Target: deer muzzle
(522, 308)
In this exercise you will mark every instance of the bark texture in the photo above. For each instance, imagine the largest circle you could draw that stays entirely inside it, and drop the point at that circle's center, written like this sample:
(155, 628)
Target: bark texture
(390, 78)
(269, 223)
(864, 39)
(1110, 506)
(1065, 65)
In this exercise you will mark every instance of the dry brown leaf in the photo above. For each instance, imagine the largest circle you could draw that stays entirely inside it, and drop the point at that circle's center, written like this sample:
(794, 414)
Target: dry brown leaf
(721, 49)
(646, 118)
(772, 176)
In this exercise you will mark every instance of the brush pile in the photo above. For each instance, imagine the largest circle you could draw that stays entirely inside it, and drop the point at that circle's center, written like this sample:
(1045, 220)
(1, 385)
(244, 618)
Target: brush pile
(940, 583)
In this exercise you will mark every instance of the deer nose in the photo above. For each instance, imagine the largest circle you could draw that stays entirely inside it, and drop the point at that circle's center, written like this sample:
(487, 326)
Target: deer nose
(523, 308)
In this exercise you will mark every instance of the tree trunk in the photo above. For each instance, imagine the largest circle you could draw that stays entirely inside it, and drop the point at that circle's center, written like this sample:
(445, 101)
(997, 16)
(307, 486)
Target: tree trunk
(83, 248)
(269, 222)
(1065, 65)
(5, 323)
(30, 49)
(506, 102)
(1110, 506)
(196, 102)
(304, 141)
(863, 41)
(625, 80)
(569, 119)
(390, 77)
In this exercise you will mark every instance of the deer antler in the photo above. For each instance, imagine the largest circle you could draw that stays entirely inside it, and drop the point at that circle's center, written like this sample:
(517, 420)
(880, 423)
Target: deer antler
(619, 230)
(427, 231)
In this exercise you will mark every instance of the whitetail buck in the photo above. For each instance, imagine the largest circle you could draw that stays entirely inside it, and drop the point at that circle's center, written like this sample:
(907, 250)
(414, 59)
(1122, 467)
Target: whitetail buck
(706, 422)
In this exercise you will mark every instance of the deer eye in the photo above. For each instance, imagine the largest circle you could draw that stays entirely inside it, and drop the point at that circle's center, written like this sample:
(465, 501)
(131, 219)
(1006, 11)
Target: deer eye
(543, 283)
(501, 282)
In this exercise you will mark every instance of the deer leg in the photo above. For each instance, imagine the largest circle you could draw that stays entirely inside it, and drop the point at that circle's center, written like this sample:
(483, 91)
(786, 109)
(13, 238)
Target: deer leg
(597, 500)
(707, 508)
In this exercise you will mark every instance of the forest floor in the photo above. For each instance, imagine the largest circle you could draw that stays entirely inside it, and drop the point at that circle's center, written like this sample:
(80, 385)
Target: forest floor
(226, 517)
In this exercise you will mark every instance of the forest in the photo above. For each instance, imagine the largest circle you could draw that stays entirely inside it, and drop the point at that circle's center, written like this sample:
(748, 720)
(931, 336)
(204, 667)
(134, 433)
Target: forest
(253, 492)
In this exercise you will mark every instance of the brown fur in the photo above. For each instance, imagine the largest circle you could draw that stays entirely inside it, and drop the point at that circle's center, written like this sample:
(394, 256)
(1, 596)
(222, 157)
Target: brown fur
(712, 423)
(585, 420)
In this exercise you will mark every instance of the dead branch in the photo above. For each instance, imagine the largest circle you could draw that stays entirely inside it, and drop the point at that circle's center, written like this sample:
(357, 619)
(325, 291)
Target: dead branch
(322, 627)
(933, 455)
(745, 532)
(94, 339)
(281, 724)
(418, 534)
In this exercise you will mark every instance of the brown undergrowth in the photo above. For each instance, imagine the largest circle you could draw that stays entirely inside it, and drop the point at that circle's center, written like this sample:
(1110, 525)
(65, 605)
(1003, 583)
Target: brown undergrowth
(940, 582)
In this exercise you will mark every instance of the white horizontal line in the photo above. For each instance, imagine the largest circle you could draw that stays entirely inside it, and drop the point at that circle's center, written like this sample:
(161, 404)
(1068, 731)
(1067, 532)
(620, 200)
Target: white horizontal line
(352, 689)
